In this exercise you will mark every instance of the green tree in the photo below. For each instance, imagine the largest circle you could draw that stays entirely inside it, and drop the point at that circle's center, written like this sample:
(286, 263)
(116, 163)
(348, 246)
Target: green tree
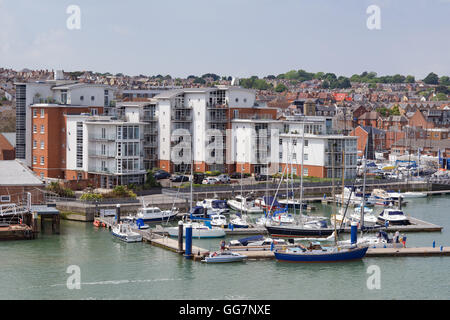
(280, 88)
(431, 78)
(445, 81)
(410, 79)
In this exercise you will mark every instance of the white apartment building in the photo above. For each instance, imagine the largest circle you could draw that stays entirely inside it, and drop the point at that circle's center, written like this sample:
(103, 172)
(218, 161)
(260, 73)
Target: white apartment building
(295, 143)
(58, 91)
(104, 149)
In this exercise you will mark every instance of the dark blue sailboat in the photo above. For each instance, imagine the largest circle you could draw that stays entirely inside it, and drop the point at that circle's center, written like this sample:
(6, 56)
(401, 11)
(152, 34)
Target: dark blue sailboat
(317, 253)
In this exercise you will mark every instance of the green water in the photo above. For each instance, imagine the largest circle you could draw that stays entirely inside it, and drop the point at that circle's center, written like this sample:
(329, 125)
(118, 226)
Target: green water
(111, 269)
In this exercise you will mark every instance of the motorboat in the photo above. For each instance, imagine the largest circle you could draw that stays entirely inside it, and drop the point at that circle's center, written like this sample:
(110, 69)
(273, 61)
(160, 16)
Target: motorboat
(246, 205)
(393, 217)
(199, 231)
(256, 241)
(138, 224)
(224, 257)
(239, 222)
(124, 232)
(411, 194)
(199, 212)
(214, 206)
(218, 220)
(382, 197)
(268, 202)
(292, 204)
(317, 253)
(153, 214)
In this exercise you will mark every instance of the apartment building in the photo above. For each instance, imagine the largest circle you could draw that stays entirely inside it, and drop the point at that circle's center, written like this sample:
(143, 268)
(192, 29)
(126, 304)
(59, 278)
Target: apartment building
(57, 91)
(104, 150)
(271, 146)
(49, 139)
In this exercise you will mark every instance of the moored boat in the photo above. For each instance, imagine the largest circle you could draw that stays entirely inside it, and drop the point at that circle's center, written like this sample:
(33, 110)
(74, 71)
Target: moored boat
(224, 257)
(317, 253)
(199, 231)
(393, 217)
(154, 214)
(313, 229)
(123, 232)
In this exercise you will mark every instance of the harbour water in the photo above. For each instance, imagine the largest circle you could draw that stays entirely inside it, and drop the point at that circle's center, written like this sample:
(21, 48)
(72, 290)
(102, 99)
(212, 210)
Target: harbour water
(111, 269)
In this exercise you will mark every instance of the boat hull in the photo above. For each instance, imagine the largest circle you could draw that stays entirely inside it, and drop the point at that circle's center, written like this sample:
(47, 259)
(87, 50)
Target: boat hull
(382, 221)
(127, 238)
(199, 233)
(347, 255)
(291, 232)
(224, 259)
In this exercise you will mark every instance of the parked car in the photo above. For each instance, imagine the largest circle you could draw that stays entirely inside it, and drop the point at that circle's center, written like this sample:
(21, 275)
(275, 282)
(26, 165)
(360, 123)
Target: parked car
(161, 174)
(236, 175)
(224, 178)
(262, 177)
(210, 180)
(198, 178)
(179, 178)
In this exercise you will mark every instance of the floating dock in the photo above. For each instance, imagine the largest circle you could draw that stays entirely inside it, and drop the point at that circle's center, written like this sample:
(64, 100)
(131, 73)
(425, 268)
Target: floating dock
(154, 237)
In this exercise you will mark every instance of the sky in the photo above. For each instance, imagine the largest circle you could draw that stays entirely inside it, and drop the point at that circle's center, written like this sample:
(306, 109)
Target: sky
(238, 38)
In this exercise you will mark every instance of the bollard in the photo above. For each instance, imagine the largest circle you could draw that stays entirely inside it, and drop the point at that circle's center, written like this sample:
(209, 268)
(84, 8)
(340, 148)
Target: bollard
(118, 213)
(434, 244)
(354, 233)
(180, 236)
(188, 249)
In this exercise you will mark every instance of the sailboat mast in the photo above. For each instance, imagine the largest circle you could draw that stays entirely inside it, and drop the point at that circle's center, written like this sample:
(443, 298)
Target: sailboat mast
(301, 169)
(364, 191)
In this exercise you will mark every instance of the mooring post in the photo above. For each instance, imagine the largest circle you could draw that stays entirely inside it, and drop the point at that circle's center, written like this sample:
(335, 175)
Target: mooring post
(180, 237)
(118, 213)
(354, 233)
(188, 249)
(34, 222)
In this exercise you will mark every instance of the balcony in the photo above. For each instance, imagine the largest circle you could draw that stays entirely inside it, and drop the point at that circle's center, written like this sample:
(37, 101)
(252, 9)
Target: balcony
(150, 131)
(106, 138)
(181, 118)
(100, 154)
(218, 119)
(216, 106)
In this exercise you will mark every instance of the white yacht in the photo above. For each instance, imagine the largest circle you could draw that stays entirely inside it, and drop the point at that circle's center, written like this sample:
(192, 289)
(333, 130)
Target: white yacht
(214, 206)
(125, 233)
(218, 220)
(149, 214)
(393, 217)
(239, 222)
(246, 205)
(199, 231)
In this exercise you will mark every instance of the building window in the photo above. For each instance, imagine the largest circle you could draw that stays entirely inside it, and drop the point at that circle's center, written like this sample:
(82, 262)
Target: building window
(34, 160)
(34, 113)
(34, 128)
(42, 129)
(63, 96)
(106, 98)
(34, 144)
(42, 145)
(81, 98)
(294, 142)
(42, 161)
(305, 171)
(281, 142)
(294, 156)
(79, 144)
(305, 157)
(6, 198)
(92, 98)
(42, 175)
(42, 113)
(306, 143)
(281, 155)
(237, 100)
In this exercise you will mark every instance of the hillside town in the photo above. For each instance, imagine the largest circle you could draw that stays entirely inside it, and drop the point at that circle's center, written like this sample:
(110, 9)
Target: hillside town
(65, 125)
